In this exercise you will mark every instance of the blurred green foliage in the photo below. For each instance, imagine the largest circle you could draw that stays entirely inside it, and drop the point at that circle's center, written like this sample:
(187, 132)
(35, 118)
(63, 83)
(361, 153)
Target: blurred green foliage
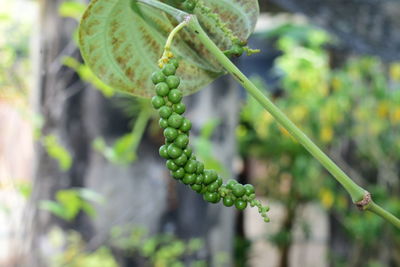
(352, 112)
(69, 202)
(162, 250)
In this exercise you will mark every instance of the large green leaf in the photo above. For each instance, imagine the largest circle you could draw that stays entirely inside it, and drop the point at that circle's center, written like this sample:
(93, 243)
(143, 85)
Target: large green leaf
(122, 47)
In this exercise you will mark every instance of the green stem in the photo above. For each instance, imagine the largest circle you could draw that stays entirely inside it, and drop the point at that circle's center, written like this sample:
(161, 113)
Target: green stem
(375, 208)
(356, 192)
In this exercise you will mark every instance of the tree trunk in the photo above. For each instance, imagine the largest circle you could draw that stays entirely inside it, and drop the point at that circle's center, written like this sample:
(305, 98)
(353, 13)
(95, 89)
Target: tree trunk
(141, 194)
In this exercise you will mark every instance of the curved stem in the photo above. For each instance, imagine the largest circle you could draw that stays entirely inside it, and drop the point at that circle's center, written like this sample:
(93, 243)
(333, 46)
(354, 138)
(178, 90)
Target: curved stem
(356, 192)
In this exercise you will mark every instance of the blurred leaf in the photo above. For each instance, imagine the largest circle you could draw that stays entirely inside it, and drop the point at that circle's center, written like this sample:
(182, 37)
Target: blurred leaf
(58, 152)
(72, 9)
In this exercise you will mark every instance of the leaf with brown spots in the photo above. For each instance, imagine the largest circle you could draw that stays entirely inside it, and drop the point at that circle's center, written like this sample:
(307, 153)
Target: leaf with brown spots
(122, 47)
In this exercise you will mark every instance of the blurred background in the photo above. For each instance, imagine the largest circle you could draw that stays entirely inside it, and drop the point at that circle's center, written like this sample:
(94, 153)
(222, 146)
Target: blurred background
(82, 185)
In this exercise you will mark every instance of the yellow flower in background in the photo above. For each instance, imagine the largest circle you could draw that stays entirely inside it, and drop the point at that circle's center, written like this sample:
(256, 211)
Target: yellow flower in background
(298, 113)
(383, 109)
(394, 71)
(262, 125)
(395, 115)
(326, 134)
(327, 198)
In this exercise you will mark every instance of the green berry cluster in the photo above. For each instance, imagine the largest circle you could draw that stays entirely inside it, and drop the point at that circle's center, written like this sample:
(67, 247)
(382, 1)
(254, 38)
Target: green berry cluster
(179, 156)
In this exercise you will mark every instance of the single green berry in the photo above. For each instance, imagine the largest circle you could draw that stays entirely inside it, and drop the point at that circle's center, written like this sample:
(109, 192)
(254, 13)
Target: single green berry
(189, 179)
(191, 166)
(186, 125)
(181, 160)
(231, 183)
(211, 197)
(182, 141)
(171, 165)
(173, 81)
(179, 108)
(210, 176)
(174, 151)
(179, 174)
(213, 187)
(165, 112)
(249, 189)
(200, 167)
(228, 202)
(158, 77)
(197, 187)
(163, 123)
(157, 102)
(238, 190)
(237, 50)
(188, 151)
(162, 89)
(170, 134)
(175, 121)
(169, 69)
(199, 179)
(163, 151)
(174, 61)
(175, 96)
(240, 204)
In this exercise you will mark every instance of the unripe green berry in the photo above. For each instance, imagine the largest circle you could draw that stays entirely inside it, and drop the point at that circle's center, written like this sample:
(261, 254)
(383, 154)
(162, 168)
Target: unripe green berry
(213, 187)
(179, 174)
(174, 151)
(197, 187)
(181, 160)
(158, 77)
(210, 176)
(211, 197)
(237, 50)
(163, 123)
(249, 189)
(189, 179)
(182, 141)
(240, 204)
(165, 112)
(173, 81)
(175, 96)
(199, 179)
(228, 202)
(238, 190)
(162, 89)
(231, 183)
(171, 165)
(175, 121)
(186, 125)
(163, 151)
(157, 102)
(170, 134)
(191, 166)
(179, 108)
(174, 61)
(169, 69)
(200, 167)
(188, 151)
